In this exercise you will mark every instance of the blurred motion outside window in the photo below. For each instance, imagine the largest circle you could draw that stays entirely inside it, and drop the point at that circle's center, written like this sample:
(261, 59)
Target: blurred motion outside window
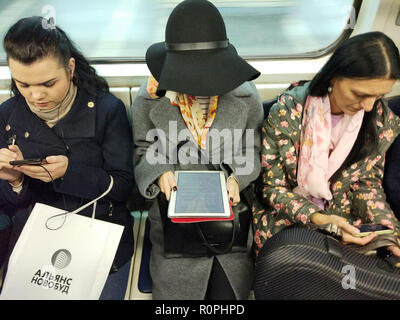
(124, 29)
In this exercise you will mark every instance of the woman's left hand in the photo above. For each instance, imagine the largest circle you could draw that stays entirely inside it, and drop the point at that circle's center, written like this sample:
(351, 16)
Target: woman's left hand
(55, 165)
(348, 230)
(396, 251)
(233, 191)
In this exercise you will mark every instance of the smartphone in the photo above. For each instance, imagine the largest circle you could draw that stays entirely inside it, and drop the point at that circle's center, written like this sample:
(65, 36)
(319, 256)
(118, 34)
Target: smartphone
(31, 162)
(367, 229)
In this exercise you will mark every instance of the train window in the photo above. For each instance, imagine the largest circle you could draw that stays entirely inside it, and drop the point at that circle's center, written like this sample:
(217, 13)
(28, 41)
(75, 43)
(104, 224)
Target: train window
(124, 29)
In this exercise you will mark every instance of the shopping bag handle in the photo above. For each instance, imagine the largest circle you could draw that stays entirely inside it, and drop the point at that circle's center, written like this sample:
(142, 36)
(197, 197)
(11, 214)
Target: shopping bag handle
(94, 202)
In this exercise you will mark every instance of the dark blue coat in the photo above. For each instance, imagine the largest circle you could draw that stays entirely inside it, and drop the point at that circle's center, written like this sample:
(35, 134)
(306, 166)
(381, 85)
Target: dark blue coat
(96, 137)
(391, 179)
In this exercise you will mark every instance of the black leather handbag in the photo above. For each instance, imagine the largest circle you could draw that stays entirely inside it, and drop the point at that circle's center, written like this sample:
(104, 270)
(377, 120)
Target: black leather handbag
(207, 238)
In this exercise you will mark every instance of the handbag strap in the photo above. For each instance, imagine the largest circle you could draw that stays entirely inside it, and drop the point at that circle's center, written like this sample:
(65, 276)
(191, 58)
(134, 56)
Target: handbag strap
(213, 247)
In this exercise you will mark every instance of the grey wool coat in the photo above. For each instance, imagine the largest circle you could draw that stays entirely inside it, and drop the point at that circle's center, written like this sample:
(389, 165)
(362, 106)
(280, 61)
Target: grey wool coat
(238, 110)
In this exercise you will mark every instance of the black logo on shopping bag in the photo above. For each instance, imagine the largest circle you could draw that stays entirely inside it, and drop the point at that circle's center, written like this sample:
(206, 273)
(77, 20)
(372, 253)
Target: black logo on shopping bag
(61, 259)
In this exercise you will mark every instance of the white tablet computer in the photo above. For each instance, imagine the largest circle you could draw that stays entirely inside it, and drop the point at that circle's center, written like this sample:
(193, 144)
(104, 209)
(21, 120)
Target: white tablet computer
(199, 194)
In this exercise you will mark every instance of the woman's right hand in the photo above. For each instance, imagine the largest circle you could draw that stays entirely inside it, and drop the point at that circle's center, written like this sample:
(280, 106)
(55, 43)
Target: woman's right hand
(347, 229)
(167, 183)
(6, 169)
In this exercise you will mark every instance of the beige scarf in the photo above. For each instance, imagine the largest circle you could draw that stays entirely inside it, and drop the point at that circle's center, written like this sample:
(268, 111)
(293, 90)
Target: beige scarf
(52, 116)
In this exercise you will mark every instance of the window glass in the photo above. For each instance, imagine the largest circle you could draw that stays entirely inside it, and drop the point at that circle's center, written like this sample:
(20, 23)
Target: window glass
(124, 29)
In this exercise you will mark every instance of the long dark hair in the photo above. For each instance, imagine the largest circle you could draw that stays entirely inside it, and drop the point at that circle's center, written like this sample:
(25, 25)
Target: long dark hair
(366, 56)
(31, 39)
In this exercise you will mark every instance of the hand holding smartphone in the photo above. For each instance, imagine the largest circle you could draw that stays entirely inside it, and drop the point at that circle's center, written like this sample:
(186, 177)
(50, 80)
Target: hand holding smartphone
(367, 229)
(32, 162)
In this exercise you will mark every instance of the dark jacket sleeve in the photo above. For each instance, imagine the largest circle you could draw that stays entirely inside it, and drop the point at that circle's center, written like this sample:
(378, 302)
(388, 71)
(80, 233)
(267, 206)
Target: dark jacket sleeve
(8, 198)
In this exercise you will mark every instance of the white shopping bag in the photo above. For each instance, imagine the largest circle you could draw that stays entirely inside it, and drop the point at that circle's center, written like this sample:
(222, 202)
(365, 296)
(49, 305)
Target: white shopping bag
(61, 256)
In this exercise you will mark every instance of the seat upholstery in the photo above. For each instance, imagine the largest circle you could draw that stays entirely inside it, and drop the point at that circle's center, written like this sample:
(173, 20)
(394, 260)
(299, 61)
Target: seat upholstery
(267, 106)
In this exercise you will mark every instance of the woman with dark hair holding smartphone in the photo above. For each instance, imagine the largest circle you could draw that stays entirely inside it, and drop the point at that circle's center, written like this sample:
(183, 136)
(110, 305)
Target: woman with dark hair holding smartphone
(62, 112)
(324, 145)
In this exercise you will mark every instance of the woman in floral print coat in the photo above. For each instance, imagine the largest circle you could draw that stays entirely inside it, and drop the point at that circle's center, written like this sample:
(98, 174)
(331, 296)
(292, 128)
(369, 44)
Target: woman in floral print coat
(324, 145)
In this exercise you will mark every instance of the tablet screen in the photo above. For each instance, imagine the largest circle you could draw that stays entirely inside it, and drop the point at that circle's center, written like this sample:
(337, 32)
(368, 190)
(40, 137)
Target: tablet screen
(199, 193)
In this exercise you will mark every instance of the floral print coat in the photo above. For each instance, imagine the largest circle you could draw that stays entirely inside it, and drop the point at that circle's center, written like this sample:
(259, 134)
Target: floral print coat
(357, 192)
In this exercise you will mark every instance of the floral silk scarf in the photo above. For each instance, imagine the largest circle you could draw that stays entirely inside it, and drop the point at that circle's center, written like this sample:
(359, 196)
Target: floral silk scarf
(320, 157)
(190, 110)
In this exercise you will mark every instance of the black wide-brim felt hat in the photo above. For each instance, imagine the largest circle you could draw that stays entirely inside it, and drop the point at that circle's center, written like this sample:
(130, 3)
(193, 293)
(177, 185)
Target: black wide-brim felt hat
(196, 57)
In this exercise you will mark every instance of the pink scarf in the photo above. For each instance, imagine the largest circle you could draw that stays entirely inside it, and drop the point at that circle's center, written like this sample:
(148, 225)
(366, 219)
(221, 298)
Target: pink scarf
(323, 149)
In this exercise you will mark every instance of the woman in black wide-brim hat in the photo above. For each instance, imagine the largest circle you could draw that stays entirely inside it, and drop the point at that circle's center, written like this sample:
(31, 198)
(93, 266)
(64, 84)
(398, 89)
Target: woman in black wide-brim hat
(198, 84)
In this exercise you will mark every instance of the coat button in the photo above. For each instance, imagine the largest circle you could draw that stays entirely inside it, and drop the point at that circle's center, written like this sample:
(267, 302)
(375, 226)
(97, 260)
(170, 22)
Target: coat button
(26, 134)
(90, 104)
(8, 127)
